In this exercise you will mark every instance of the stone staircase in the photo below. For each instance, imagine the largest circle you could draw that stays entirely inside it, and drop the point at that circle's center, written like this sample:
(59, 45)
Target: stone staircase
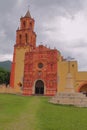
(68, 98)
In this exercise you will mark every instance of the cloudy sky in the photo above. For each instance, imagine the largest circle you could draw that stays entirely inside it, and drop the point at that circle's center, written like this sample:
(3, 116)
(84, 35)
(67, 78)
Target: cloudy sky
(58, 23)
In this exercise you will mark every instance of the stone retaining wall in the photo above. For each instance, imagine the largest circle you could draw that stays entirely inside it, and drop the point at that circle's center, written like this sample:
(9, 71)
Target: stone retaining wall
(7, 89)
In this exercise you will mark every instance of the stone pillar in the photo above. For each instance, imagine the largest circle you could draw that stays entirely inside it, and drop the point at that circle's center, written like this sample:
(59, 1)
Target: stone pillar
(69, 83)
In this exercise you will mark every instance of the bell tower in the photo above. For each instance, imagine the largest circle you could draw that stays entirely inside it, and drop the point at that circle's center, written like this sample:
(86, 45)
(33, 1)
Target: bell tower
(25, 42)
(25, 35)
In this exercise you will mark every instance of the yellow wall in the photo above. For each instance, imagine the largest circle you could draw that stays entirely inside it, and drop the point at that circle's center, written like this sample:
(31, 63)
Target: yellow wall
(81, 75)
(63, 68)
(79, 78)
(19, 66)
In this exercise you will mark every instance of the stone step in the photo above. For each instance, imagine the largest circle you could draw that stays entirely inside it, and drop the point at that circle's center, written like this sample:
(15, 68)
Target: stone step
(76, 99)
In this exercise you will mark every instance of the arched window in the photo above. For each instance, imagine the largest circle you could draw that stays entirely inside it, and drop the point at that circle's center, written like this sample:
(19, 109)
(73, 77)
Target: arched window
(24, 24)
(30, 25)
(20, 37)
(26, 37)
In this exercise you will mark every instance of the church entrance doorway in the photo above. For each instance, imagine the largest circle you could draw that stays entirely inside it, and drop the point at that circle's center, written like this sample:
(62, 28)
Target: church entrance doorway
(39, 87)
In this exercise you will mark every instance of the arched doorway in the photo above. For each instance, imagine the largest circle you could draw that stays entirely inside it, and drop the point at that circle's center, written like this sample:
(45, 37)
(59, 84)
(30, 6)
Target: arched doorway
(83, 89)
(39, 87)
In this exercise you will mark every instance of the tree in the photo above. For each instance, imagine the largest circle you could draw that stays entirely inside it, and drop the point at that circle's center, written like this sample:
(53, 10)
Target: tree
(4, 76)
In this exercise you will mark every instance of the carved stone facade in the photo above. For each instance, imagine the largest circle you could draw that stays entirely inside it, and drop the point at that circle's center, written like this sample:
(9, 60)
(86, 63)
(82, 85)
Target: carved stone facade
(40, 66)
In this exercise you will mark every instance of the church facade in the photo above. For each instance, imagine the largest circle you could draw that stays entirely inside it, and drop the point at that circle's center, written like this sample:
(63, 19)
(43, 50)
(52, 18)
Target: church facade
(39, 69)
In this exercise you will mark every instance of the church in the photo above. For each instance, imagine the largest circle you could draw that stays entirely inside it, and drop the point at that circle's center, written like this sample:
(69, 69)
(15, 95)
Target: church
(39, 70)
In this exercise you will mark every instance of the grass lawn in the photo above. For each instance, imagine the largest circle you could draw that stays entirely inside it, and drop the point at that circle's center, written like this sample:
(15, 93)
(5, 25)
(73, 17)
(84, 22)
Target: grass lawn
(35, 113)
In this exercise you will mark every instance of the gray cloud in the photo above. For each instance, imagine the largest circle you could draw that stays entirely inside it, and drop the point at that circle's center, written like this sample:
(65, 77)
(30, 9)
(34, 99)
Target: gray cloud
(45, 13)
(57, 7)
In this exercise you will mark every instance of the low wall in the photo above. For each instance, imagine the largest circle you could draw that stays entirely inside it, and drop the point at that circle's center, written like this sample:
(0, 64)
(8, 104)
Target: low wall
(7, 89)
